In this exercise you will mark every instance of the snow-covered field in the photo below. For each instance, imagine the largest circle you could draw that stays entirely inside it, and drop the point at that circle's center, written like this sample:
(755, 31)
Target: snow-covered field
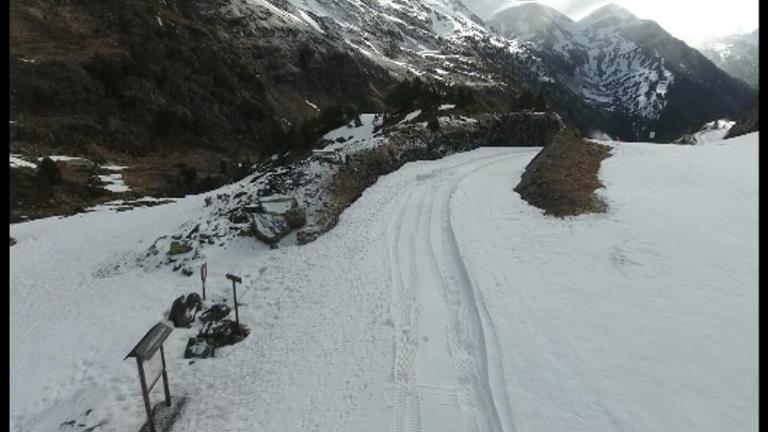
(441, 301)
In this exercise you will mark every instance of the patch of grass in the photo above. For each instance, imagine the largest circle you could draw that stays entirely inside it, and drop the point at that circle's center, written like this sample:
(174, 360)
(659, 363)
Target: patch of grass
(563, 177)
(177, 248)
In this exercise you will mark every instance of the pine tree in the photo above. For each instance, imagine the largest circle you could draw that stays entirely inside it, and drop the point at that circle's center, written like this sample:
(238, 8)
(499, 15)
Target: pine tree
(525, 102)
(48, 172)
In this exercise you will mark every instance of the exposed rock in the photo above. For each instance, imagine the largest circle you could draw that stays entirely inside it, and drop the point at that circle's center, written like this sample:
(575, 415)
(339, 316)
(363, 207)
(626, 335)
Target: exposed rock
(363, 169)
(198, 347)
(177, 248)
(748, 122)
(224, 332)
(216, 312)
(270, 228)
(184, 309)
(187, 271)
(287, 207)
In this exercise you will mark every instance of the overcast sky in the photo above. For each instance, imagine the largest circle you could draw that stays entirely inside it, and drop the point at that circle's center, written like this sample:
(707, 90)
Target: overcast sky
(690, 20)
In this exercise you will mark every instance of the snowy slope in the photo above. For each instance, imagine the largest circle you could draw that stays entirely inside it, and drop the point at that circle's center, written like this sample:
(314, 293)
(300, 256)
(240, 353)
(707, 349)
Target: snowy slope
(711, 132)
(608, 69)
(644, 318)
(441, 301)
(627, 66)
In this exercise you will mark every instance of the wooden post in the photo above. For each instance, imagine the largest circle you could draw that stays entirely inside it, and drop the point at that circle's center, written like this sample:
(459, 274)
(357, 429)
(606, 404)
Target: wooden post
(145, 394)
(235, 280)
(165, 379)
(234, 294)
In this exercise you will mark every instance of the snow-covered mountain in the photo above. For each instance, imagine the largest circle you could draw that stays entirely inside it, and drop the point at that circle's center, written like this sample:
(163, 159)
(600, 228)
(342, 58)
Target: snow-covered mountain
(738, 54)
(629, 66)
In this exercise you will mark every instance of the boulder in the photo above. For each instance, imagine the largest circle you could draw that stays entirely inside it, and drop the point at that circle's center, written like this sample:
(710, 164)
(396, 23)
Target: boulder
(198, 347)
(184, 309)
(270, 228)
(222, 333)
(280, 208)
(296, 217)
(216, 312)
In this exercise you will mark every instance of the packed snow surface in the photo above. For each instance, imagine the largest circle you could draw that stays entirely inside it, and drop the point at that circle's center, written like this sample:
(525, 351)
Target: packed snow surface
(441, 301)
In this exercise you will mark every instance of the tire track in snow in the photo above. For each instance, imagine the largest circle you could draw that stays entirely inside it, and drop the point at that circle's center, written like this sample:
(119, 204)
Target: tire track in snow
(407, 415)
(426, 257)
(492, 409)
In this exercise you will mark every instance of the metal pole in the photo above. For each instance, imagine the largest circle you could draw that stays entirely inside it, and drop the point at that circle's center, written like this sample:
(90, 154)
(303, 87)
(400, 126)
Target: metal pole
(203, 275)
(145, 394)
(234, 293)
(165, 379)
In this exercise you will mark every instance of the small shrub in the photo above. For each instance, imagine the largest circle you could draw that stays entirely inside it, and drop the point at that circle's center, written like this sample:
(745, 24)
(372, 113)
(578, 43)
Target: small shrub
(48, 172)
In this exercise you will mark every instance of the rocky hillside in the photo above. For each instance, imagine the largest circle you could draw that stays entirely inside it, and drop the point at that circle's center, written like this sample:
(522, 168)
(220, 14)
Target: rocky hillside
(748, 121)
(738, 54)
(632, 68)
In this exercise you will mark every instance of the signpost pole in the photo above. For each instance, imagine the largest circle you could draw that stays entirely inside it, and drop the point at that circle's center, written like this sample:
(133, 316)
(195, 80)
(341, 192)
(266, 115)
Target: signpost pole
(203, 275)
(234, 294)
(145, 394)
(165, 379)
(235, 280)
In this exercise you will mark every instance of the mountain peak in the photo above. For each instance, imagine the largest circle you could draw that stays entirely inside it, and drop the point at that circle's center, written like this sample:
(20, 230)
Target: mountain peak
(607, 14)
(525, 18)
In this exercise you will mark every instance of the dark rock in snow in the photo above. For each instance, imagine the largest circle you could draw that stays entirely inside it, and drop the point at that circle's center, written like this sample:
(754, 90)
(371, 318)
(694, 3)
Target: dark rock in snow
(215, 313)
(198, 347)
(270, 228)
(749, 121)
(222, 333)
(187, 271)
(184, 309)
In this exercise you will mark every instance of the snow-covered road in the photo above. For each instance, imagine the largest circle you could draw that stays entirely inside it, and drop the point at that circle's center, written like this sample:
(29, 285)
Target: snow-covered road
(441, 301)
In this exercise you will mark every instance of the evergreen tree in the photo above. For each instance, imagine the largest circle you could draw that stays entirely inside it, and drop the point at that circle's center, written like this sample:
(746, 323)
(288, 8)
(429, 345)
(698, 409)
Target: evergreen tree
(48, 172)
(526, 100)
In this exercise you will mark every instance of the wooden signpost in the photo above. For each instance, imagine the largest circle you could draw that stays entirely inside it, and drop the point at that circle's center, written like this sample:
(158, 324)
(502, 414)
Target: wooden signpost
(145, 353)
(203, 275)
(235, 280)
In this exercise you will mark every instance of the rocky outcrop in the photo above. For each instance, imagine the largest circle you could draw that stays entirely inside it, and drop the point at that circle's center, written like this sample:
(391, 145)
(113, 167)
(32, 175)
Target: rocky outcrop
(748, 122)
(360, 171)
(223, 332)
(184, 310)
(275, 216)
(563, 177)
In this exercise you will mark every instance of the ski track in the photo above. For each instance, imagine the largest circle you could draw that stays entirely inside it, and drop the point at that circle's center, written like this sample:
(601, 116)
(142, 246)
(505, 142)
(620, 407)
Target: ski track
(426, 264)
